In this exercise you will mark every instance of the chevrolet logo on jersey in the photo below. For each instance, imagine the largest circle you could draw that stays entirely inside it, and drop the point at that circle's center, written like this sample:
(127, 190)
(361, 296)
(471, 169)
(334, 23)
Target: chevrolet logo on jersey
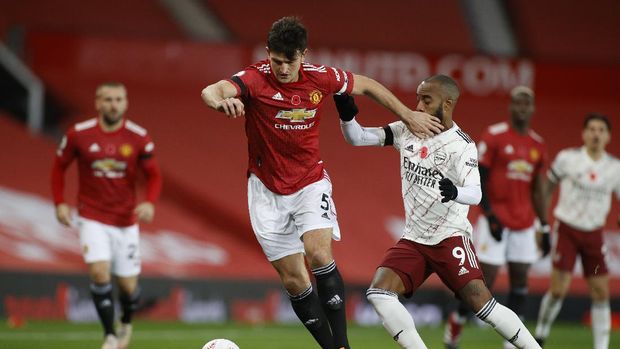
(296, 115)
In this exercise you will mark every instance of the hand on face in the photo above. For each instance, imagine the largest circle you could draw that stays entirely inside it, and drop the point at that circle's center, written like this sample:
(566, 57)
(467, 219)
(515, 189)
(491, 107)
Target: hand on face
(421, 124)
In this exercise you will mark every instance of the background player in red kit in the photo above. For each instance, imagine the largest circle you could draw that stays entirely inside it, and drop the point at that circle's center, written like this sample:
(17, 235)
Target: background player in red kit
(289, 191)
(512, 161)
(109, 151)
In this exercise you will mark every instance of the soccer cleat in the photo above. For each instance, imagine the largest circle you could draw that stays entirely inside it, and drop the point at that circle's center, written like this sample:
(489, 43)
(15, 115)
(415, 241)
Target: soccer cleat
(110, 342)
(124, 335)
(452, 334)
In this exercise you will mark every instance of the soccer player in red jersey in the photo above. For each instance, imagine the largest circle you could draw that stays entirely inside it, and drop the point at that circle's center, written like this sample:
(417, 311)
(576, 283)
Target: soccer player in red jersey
(109, 151)
(512, 161)
(440, 179)
(289, 192)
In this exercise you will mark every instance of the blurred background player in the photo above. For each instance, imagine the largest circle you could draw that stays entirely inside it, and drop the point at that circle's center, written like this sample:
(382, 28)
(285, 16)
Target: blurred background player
(289, 192)
(512, 161)
(109, 150)
(587, 177)
(440, 180)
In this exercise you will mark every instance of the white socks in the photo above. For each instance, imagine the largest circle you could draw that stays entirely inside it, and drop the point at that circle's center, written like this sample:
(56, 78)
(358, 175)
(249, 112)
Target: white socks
(549, 310)
(507, 324)
(601, 324)
(396, 319)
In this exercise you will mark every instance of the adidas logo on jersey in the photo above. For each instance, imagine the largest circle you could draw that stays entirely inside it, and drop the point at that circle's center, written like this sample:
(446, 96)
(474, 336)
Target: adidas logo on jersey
(410, 147)
(277, 97)
(94, 148)
(324, 215)
(463, 271)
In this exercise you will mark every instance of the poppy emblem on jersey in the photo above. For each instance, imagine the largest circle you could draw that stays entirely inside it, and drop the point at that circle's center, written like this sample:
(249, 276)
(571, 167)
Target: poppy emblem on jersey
(592, 176)
(439, 157)
(296, 115)
(316, 96)
(126, 150)
(296, 100)
(110, 149)
(534, 154)
(424, 152)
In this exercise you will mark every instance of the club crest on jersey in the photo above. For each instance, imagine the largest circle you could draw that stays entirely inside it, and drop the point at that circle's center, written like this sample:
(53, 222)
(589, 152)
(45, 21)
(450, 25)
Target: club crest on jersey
(534, 154)
(439, 157)
(295, 100)
(316, 96)
(126, 150)
(296, 115)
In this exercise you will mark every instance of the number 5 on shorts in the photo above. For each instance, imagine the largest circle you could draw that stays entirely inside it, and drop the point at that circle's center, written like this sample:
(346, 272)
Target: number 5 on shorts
(325, 204)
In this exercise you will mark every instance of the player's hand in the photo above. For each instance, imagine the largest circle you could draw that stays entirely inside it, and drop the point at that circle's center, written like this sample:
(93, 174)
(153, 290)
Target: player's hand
(63, 214)
(448, 190)
(421, 124)
(544, 239)
(347, 109)
(495, 226)
(232, 107)
(145, 211)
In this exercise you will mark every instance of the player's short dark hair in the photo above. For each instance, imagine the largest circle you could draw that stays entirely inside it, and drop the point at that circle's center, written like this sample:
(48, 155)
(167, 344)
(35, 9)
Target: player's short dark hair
(448, 85)
(597, 116)
(112, 84)
(288, 36)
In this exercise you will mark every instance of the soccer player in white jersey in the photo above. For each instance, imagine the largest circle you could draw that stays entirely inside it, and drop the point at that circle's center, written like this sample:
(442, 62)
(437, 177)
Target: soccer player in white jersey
(440, 179)
(587, 177)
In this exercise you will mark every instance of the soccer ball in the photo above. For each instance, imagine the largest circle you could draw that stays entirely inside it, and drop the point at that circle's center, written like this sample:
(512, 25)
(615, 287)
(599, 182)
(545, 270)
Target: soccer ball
(220, 344)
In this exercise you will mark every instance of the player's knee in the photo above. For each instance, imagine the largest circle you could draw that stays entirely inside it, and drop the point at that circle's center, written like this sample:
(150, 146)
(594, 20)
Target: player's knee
(599, 293)
(318, 258)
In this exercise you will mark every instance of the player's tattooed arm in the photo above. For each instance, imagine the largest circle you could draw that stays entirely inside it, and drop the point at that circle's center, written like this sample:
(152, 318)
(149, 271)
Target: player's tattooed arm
(420, 124)
(221, 97)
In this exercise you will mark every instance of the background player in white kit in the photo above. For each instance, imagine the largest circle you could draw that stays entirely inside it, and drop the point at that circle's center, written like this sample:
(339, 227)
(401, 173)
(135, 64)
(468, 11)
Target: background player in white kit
(439, 180)
(289, 192)
(587, 177)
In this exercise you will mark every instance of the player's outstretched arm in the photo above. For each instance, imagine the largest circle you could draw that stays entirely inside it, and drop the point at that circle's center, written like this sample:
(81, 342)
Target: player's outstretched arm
(352, 131)
(221, 97)
(420, 124)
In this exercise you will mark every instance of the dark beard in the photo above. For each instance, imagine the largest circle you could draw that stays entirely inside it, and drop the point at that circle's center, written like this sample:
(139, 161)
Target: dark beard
(439, 113)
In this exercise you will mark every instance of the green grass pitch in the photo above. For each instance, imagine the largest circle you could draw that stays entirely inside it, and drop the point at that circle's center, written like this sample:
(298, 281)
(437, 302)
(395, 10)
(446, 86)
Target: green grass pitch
(160, 335)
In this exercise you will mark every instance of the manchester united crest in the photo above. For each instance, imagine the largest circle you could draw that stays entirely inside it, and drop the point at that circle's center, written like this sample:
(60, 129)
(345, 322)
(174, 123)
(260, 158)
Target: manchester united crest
(534, 154)
(126, 150)
(316, 96)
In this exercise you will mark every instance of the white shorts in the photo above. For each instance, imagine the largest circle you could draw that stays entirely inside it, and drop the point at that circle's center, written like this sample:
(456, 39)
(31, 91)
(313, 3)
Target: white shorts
(118, 245)
(279, 221)
(518, 246)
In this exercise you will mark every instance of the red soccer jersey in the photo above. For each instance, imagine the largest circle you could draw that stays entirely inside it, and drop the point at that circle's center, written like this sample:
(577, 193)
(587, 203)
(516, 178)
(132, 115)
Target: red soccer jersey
(513, 160)
(107, 168)
(282, 122)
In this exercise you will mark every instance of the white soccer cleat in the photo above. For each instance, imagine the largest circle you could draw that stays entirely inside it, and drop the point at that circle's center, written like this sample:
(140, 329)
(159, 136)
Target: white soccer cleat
(110, 342)
(124, 335)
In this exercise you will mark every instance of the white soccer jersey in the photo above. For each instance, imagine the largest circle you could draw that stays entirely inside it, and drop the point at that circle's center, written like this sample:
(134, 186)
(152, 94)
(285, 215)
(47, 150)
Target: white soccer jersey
(424, 162)
(585, 187)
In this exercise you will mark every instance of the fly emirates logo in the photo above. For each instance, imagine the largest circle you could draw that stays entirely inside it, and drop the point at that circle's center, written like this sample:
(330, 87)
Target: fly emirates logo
(420, 175)
(296, 118)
